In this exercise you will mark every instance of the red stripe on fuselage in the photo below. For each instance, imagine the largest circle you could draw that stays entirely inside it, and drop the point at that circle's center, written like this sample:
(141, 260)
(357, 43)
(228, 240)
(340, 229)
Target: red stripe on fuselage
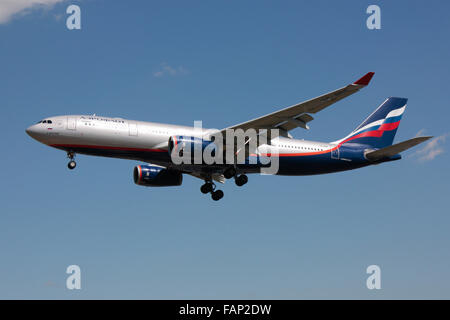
(375, 133)
(294, 154)
(105, 147)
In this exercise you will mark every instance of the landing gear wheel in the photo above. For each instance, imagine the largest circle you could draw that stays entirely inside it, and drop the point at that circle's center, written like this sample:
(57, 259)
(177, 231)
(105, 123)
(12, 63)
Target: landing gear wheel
(229, 173)
(241, 180)
(217, 195)
(207, 187)
(71, 165)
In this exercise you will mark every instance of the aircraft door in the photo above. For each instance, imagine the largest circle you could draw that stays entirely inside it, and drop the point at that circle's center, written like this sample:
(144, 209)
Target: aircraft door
(133, 130)
(71, 123)
(335, 153)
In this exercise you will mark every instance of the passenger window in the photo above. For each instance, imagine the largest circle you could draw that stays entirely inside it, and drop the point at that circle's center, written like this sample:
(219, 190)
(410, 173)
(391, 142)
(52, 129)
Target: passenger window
(49, 121)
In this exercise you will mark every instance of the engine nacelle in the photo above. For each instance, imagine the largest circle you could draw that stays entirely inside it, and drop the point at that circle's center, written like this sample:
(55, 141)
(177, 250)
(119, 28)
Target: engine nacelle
(154, 176)
(191, 145)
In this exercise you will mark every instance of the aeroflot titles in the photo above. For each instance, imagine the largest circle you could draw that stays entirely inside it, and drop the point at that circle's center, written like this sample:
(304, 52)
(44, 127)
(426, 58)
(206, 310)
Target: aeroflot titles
(103, 119)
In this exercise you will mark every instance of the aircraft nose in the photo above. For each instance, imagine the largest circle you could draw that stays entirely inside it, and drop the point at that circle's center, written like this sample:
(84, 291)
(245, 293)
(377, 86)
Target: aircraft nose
(31, 131)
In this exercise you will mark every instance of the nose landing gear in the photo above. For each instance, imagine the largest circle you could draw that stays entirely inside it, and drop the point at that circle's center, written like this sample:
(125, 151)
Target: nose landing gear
(72, 164)
(210, 187)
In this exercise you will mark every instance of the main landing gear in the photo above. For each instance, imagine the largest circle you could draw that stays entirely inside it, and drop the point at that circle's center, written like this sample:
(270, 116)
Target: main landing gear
(210, 187)
(229, 173)
(240, 180)
(72, 164)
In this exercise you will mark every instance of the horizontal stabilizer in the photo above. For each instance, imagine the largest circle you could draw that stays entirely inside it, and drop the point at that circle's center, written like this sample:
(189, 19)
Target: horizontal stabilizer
(395, 149)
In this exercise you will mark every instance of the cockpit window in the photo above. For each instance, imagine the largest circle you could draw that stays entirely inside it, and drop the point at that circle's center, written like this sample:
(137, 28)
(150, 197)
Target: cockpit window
(45, 121)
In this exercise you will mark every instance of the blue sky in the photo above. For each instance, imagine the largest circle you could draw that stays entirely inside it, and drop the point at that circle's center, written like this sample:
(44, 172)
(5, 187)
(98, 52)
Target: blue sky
(223, 62)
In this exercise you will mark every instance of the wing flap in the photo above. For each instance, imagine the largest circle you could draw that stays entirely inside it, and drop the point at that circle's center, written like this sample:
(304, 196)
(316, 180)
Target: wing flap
(218, 177)
(291, 123)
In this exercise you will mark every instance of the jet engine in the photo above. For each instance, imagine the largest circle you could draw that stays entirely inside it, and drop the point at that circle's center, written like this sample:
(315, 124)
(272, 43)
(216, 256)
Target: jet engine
(154, 176)
(192, 146)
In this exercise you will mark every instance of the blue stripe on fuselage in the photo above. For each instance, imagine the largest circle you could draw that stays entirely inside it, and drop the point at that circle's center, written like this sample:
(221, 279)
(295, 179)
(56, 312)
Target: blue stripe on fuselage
(288, 164)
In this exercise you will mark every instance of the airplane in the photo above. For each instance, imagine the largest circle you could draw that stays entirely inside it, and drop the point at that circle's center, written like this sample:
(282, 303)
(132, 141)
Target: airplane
(370, 143)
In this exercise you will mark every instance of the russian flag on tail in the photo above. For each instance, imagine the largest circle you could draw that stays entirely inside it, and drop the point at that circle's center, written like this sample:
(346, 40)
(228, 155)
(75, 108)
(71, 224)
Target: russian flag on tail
(379, 129)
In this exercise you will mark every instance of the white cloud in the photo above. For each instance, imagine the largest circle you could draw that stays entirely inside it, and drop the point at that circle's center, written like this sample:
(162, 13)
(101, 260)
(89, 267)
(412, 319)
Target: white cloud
(9, 8)
(166, 70)
(420, 133)
(432, 148)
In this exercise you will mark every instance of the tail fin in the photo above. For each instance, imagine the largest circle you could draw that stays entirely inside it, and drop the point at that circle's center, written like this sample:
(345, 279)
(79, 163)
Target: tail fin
(379, 129)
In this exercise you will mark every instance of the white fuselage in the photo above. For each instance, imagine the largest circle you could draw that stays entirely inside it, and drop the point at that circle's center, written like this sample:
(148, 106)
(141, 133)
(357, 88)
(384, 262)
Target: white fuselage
(83, 133)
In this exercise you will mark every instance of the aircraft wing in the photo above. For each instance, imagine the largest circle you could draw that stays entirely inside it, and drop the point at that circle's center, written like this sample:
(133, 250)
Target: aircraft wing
(298, 115)
(395, 149)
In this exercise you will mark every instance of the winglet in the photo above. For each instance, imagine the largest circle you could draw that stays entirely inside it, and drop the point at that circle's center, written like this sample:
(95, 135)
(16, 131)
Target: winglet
(364, 81)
